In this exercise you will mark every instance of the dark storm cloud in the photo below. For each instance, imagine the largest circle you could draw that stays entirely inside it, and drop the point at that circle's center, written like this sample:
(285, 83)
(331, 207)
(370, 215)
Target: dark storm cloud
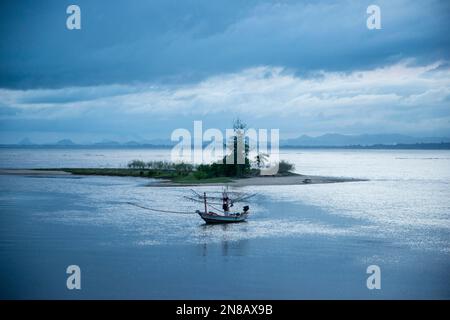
(125, 42)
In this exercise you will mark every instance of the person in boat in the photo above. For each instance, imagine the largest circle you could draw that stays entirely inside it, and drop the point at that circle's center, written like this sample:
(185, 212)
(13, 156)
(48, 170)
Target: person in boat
(225, 205)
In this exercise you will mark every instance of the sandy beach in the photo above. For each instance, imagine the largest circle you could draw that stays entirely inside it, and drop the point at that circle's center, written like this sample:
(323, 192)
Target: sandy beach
(265, 181)
(32, 172)
(253, 181)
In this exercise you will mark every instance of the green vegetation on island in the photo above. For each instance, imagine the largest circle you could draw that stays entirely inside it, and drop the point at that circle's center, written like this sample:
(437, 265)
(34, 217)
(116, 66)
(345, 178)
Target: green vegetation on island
(218, 172)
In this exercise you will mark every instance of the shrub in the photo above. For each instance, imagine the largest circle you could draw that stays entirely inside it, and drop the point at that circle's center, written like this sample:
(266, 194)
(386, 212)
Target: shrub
(200, 175)
(285, 167)
(183, 169)
(160, 165)
(136, 164)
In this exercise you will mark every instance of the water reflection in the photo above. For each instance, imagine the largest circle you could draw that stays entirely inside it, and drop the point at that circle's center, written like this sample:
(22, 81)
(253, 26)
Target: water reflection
(228, 246)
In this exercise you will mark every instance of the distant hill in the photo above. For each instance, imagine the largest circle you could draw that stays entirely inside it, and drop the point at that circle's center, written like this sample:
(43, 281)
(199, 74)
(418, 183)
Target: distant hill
(159, 142)
(329, 140)
(108, 143)
(25, 142)
(131, 143)
(65, 142)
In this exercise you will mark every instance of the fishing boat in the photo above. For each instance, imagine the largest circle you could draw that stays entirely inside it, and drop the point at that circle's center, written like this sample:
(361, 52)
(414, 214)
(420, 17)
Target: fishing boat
(212, 214)
(212, 217)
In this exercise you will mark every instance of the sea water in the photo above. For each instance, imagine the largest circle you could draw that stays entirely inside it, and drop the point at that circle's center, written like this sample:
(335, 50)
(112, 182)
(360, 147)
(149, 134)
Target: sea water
(300, 242)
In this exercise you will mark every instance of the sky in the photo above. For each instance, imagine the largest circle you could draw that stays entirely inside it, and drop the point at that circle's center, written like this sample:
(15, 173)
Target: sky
(137, 70)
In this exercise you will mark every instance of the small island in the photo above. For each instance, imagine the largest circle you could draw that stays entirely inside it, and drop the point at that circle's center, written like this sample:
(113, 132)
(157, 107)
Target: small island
(230, 171)
(185, 175)
(170, 178)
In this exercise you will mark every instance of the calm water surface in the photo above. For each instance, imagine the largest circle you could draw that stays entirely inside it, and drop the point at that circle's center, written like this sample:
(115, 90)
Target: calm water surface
(309, 241)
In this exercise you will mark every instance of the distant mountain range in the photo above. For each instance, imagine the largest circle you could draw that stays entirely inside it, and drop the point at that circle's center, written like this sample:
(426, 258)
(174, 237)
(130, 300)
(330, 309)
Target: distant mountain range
(341, 140)
(65, 142)
(26, 142)
(324, 141)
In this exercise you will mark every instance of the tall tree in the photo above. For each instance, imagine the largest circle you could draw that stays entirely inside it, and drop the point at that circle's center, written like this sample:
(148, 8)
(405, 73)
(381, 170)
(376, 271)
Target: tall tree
(237, 162)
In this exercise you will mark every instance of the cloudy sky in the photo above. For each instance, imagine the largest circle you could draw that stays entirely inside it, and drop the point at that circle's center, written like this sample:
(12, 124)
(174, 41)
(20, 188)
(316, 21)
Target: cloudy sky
(139, 69)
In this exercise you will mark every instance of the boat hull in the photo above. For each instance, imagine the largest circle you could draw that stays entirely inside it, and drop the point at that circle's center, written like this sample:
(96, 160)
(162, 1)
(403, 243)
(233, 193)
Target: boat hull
(216, 219)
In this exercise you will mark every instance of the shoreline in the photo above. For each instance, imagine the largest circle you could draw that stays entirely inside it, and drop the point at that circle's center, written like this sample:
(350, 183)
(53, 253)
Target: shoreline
(292, 179)
(33, 172)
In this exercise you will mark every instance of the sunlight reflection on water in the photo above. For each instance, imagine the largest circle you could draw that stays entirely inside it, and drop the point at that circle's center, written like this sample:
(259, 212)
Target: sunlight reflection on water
(407, 199)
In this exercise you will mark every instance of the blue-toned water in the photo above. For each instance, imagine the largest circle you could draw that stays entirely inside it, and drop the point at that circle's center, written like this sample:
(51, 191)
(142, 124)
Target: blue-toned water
(308, 241)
